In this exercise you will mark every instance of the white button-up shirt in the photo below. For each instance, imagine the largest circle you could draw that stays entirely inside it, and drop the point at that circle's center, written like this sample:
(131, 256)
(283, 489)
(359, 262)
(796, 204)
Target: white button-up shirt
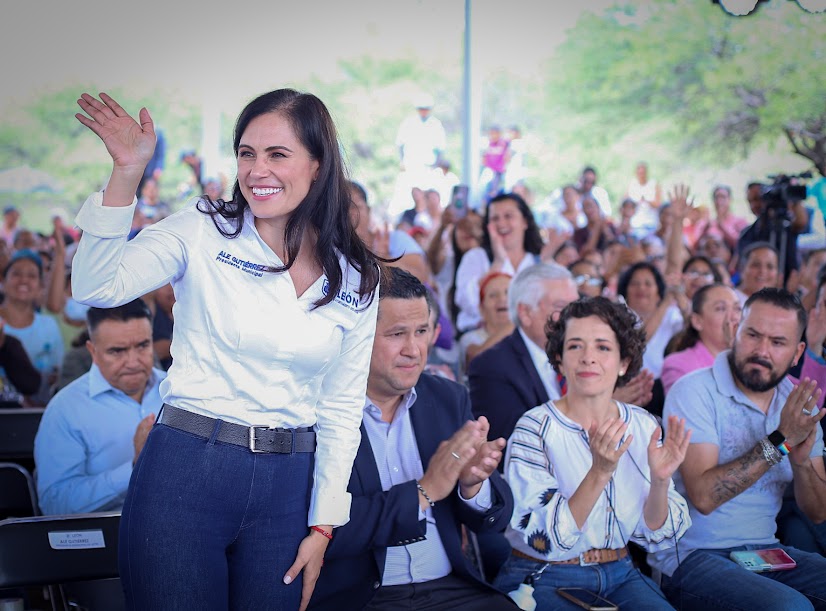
(246, 349)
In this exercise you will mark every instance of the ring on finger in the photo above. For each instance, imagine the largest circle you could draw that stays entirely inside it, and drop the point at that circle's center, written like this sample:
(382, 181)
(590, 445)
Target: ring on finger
(456, 456)
(808, 412)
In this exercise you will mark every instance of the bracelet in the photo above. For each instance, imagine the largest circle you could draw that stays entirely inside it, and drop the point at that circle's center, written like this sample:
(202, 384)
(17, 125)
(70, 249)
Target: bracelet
(322, 531)
(772, 455)
(424, 494)
(784, 448)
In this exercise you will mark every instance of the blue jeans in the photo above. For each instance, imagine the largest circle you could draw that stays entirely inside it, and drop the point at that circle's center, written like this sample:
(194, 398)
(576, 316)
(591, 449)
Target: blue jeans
(620, 582)
(710, 579)
(212, 526)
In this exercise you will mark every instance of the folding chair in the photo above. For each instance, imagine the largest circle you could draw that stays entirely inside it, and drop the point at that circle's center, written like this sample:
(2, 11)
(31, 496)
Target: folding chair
(55, 550)
(18, 426)
(18, 497)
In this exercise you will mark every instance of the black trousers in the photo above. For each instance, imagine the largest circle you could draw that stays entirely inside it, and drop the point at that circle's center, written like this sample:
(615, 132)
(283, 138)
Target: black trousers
(450, 593)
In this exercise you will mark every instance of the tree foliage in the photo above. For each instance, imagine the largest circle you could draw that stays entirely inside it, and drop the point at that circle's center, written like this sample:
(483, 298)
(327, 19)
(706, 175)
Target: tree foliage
(725, 84)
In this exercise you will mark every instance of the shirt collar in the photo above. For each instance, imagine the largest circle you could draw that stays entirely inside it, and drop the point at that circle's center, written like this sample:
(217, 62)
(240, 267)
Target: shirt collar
(99, 385)
(727, 387)
(373, 411)
(537, 354)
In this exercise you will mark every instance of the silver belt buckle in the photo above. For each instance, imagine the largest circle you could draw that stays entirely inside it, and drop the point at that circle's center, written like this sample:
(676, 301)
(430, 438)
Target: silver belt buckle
(582, 560)
(252, 430)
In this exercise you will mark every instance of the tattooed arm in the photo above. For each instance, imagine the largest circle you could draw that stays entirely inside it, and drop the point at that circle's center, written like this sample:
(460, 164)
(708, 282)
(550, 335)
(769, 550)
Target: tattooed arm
(709, 485)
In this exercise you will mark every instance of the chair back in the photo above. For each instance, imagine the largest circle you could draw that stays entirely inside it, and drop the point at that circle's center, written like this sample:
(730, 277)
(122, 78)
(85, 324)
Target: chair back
(18, 496)
(49, 550)
(18, 426)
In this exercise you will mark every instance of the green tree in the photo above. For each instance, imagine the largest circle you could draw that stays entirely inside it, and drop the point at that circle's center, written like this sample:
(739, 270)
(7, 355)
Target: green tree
(718, 84)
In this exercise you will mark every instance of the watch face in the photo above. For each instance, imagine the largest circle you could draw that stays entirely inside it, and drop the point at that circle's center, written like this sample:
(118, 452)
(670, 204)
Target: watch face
(776, 438)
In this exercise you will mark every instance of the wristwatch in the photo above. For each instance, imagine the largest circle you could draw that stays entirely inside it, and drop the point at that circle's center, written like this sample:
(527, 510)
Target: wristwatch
(776, 438)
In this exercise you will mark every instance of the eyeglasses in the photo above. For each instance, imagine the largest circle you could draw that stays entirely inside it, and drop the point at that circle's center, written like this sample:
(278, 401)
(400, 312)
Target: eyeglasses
(707, 276)
(587, 279)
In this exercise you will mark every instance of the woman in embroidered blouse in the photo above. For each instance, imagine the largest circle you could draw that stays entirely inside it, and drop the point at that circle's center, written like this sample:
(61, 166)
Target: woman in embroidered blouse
(589, 474)
(275, 315)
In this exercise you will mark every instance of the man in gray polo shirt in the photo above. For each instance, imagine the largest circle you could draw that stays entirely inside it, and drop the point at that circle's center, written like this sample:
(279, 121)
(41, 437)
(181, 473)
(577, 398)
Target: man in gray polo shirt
(753, 433)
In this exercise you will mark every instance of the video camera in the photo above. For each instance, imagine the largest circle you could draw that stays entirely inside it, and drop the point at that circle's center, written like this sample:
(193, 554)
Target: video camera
(783, 189)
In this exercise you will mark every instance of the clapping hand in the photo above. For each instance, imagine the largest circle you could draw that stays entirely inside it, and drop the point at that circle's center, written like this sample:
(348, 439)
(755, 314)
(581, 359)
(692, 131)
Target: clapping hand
(483, 463)
(664, 459)
(129, 143)
(797, 420)
(606, 448)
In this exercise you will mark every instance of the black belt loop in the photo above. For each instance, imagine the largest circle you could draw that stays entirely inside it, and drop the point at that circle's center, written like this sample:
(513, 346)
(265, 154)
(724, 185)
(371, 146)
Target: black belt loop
(292, 443)
(214, 436)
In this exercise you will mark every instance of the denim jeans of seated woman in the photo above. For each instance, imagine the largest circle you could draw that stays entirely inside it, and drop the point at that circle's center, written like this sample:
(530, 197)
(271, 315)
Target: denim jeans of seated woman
(212, 526)
(709, 579)
(620, 582)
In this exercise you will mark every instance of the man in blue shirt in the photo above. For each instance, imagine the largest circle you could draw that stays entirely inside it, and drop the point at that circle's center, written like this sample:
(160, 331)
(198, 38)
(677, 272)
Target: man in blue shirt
(93, 430)
(423, 469)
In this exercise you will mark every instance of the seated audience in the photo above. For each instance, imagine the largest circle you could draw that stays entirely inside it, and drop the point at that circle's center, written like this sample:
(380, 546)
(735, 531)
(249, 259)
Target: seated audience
(644, 290)
(496, 322)
(758, 269)
(726, 224)
(423, 470)
(589, 473)
(715, 314)
(39, 333)
(94, 429)
(588, 280)
(513, 376)
(598, 230)
(17, 374)
(754, 432)
(510, 243)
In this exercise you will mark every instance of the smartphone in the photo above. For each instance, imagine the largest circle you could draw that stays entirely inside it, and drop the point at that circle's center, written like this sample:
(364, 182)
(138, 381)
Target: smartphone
(761, 560)
(458, 201)
(587, 599)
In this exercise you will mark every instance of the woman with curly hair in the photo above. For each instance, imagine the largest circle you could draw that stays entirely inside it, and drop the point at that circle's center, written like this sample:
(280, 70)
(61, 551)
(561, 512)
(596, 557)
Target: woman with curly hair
(588, 473)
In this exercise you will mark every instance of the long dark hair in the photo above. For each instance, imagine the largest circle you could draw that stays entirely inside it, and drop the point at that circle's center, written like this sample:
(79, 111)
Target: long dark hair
(326, 207)
(533, 239)
(689, 336)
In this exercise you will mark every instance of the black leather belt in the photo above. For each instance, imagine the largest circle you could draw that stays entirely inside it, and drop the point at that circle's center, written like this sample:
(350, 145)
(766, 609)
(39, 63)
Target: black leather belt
(255, 438)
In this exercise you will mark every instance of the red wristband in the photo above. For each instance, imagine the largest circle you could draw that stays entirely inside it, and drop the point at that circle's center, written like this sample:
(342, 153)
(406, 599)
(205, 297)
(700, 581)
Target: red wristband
(322, 531)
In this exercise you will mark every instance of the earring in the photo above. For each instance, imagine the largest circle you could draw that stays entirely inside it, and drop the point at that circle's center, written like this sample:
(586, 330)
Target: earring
(622, 373)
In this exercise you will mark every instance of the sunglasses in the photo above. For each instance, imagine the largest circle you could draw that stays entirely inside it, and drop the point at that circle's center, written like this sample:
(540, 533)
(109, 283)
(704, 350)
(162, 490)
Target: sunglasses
(587, 279)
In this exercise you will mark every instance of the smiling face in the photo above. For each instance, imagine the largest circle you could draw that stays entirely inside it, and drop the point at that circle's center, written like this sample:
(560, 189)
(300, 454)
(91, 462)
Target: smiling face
(275, 171)
(22, 281)
(399, 348)
(591, 360)
(508, 222)
(759, 271)
(494, 305)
